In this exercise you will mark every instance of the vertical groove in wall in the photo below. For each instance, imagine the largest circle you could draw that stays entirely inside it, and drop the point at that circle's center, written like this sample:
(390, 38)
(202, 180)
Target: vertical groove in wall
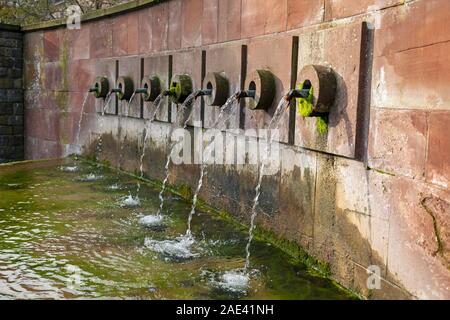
(169, 104)
(292, 103)
(202, 101)
(242, 84)
(364, 93)
(116, 112)
(141, 98)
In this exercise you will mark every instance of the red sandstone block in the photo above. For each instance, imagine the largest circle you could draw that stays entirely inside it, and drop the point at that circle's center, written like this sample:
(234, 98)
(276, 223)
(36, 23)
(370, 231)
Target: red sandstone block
(218, 60)
(397, 141)
(51, 45)
(339, 48)
(413, 241)
(274, 55)
(79, 42)
(101, 39)
(36, 148)
(191, 31)
(42, 124)
(301, 13)
(120, 36)
(131, 68)
(210, 21)
(397, 30)
(81, 75)
(263, 17)
(157, 65)
(175, 12)
(33, 45)
(189, 62)
(133, 33)
(160, 26)
(53, 76)
(438, 157)
(415, 79)
(336, 9)
(106, 68)
(145, 31)
(229, 24)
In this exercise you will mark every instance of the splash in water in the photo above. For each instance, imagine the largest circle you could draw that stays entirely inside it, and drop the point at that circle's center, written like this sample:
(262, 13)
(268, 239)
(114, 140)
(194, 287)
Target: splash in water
(282, 105)
(228, 105)
(130, 201)
(236, 281)
(69, 169)
(90, 177)
(151, 220)
(179, 248)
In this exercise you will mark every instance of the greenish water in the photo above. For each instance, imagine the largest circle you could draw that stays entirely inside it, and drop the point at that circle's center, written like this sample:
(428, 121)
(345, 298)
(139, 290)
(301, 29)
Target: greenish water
(67, 235)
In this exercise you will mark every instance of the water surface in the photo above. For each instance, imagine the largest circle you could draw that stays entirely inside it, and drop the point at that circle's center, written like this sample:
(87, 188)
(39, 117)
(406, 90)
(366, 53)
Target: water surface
(71, 230)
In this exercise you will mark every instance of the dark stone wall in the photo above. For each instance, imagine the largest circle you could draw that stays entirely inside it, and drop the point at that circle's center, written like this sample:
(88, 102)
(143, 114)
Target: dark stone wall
(11, 94)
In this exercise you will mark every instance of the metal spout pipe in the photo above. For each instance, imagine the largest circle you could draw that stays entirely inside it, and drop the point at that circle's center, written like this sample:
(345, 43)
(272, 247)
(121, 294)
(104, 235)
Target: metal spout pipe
(246, 94)
(295, 93)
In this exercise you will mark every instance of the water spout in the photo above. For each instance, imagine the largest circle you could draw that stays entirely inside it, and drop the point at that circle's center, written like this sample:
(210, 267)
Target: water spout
(245, 94)
(297, 93)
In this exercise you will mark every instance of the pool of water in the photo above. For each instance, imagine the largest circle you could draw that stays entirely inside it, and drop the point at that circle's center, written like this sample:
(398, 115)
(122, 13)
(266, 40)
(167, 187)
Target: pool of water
(69, 229)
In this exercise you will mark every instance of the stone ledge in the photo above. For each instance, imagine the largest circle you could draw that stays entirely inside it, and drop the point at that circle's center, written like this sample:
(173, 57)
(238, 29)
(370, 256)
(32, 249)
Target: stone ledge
(94, 15)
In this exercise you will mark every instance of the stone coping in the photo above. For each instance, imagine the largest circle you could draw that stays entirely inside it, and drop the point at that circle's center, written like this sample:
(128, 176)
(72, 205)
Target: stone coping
(94, 15)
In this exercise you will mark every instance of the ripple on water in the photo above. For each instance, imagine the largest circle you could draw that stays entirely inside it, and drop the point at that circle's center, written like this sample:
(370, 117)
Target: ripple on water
(179, 248)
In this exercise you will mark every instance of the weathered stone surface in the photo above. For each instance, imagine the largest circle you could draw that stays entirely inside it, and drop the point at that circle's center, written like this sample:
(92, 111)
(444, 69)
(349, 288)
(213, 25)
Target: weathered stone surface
(438, 155)
(340, 49)
(303, 13)
(131, 68)
(191, 30)
(101, 39)
(107, 68)
(274, 55)
(145, 31)
(80, 42)
(160, 26)
(210, 21)
(413, 242)
(158, 65)
(175, 13)
(259, 17)
(218, 60)
(51, 45)
(229, 25)
(397, 141)
(190, 63)
(336, 9)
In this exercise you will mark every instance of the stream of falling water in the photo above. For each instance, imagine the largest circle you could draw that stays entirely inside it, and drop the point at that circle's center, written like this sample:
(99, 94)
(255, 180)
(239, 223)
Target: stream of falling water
(282, 105)
(183, 107)
(100, 139)
(157, 103)
(203, 172)
(77, 138)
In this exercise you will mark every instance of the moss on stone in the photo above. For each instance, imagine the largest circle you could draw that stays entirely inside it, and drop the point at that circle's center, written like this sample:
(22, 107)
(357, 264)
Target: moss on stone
(305, 105)
(322, 125)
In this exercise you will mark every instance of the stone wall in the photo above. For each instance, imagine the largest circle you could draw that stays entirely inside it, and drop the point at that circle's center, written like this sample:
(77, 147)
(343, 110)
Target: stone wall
(11, 94)
(372, 191)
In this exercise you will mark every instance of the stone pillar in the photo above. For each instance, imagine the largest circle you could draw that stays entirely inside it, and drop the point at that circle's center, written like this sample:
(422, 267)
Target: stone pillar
(11, 94)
